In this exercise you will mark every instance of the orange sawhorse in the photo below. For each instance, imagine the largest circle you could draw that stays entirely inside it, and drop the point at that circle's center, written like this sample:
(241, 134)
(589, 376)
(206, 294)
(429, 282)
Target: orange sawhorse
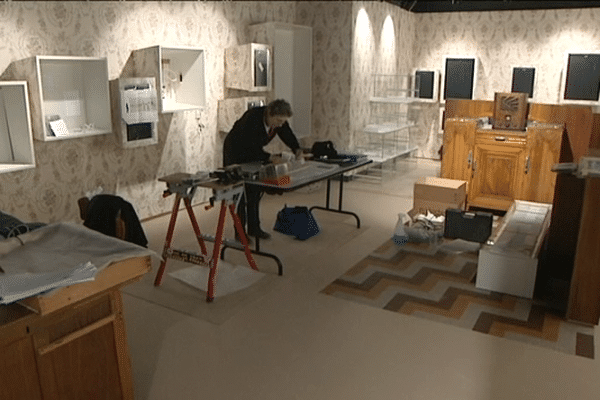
(184, 186)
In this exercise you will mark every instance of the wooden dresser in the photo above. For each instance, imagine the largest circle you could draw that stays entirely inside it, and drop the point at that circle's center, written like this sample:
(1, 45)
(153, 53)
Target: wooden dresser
(571, 251)
(502, 165)
(74, 345)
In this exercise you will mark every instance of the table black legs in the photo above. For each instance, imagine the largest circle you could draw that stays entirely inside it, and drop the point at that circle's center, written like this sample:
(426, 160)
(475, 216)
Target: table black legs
(340, 196)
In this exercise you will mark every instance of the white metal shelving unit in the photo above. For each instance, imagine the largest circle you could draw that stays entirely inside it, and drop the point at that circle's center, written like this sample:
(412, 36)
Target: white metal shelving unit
(392, 116)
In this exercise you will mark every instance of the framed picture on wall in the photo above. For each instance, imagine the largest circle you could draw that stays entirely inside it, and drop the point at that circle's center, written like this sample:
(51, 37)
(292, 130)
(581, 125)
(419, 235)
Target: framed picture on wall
(427, 85)
(580, 81)
(261, 67)
(523, 80)
(459, 79)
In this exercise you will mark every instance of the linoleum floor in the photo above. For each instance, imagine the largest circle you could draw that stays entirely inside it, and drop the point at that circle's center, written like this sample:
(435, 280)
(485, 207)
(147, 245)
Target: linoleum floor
(289, 341)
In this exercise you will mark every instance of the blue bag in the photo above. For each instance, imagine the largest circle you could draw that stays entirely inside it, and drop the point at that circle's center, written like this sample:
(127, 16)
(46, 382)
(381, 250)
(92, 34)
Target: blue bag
(296, 221)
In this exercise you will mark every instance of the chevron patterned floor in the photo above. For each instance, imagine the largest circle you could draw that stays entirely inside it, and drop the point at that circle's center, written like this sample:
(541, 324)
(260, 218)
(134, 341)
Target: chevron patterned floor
(438, 284)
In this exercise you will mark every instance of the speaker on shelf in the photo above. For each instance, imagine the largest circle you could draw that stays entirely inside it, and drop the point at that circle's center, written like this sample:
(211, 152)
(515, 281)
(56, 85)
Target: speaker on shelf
(510, 111)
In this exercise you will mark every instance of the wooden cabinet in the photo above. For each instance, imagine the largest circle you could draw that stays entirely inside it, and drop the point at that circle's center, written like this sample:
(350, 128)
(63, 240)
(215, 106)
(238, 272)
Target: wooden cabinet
(459, 144)
(76, 346)
(248, 67)
(502, 165)
(543, 151)
(19, 377)
(497, 171)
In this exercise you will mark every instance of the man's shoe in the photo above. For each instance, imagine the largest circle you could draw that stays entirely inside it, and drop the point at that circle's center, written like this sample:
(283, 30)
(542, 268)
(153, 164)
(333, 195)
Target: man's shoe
(259, 234)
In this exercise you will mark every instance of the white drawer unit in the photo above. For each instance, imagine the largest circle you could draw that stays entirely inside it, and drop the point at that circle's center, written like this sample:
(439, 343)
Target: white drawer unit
(508, 262)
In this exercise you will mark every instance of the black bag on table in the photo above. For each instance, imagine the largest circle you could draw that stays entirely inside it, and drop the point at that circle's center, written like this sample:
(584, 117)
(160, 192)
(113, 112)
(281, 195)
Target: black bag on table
(324, 149)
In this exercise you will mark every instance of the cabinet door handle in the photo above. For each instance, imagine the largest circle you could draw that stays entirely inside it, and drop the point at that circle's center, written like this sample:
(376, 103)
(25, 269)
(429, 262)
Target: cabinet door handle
(527, 164)
(500, 138)
(474, 166)
(470, 158)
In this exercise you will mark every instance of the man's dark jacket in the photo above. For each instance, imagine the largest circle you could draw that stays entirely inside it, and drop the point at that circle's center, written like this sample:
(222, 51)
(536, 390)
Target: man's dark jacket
(245, 142)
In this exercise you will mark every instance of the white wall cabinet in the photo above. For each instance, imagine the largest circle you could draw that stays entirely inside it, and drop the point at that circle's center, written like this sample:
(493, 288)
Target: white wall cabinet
(230, 110)
(69, 95)
(292, 69)
(179, 72)
(248, 67)
(135, 111)
(16, 143)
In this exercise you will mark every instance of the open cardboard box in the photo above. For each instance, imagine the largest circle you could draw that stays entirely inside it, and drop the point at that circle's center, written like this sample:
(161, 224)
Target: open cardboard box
(438, 194)
(434, 195)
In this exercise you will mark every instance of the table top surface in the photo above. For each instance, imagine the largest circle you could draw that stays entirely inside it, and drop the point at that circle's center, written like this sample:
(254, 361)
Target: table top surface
(306, 174)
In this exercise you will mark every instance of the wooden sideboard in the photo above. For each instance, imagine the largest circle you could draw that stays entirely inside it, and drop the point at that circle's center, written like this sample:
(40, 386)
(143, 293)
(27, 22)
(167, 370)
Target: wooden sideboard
(571, 251)
(501, 166)
(74, 345)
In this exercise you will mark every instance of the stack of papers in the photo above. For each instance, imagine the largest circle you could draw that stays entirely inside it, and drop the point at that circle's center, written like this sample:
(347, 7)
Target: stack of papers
(14, 287)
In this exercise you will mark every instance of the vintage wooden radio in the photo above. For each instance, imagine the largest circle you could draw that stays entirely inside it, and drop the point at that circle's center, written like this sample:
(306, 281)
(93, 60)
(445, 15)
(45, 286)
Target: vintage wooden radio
(510, 111)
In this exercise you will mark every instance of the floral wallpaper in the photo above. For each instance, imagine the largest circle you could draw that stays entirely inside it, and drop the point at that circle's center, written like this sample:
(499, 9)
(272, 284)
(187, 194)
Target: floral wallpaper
(188, 141)
(500, 41)
(351, 42)
(331, 22)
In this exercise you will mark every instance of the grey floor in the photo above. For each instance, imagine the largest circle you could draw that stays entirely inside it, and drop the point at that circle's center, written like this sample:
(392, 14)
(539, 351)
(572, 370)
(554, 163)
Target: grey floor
(288, 341)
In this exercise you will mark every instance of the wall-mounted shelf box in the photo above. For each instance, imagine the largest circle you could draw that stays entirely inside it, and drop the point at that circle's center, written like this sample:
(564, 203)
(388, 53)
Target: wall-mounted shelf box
(179, 72)
(248, 67)
(16, 143)
(71, 89)
(230, 110)
(135, 111)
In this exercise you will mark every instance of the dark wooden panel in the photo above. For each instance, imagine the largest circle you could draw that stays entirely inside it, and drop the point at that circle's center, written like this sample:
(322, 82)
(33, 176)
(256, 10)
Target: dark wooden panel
(457, 108)
(584, 296)
(85, 368)
(577, 121)
(18, 374)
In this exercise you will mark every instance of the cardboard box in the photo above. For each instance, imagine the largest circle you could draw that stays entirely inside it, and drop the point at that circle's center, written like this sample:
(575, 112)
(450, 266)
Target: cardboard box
(438, 194)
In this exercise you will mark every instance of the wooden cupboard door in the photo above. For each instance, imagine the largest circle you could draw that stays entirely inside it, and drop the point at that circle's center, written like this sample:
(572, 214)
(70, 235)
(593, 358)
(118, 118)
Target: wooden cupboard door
(82, 352)
(457, 157)
(497, 175)
(18, 373)
(543, 151)
(83, 368)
